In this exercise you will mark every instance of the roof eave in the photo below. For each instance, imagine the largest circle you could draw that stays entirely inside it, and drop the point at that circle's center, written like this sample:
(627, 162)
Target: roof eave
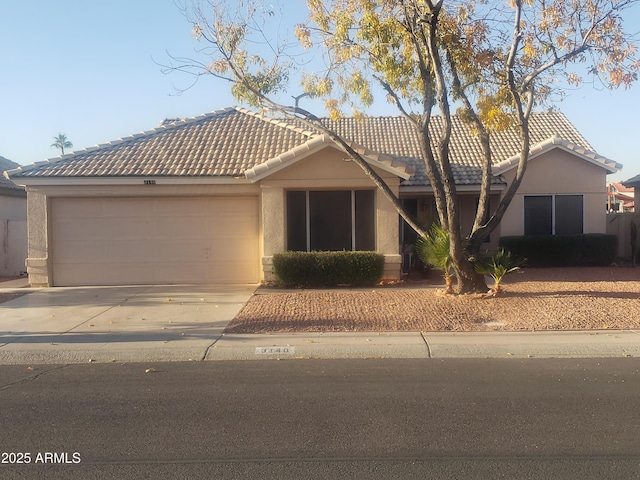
(317, 143)
(632, 182)
(466, 188)
(556, 142)
(150, 180)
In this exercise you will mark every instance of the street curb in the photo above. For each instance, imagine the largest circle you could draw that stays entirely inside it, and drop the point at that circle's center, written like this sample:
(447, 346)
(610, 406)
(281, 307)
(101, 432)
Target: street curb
(319, 345)
(587, 344)
(289, 346)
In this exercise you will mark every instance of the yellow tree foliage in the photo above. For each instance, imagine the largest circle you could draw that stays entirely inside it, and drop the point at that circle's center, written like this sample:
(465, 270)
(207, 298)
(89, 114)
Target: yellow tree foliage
(491, 61)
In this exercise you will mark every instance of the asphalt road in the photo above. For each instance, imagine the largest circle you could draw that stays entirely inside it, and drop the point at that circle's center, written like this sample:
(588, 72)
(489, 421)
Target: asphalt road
(405, 419)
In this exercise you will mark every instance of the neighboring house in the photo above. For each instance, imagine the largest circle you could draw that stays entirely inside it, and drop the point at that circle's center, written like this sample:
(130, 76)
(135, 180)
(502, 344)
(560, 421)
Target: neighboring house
(619, 198)
(634, 183)
(211, 199)
(13, 224)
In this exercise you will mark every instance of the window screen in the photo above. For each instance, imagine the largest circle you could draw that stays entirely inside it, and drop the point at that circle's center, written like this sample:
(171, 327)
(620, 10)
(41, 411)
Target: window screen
(297, 221)
(330, 220)
(365, 220)
(569, 214)
(331, 225)
(538, 215)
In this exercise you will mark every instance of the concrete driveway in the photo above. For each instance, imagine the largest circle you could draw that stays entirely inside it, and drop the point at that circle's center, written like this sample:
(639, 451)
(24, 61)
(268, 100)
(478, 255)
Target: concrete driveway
(123, 323)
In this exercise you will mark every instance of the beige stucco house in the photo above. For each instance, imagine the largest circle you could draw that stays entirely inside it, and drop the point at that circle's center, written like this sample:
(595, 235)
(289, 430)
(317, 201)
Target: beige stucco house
(211, 199)
(13, 224)
(620, 199)
(634, 183)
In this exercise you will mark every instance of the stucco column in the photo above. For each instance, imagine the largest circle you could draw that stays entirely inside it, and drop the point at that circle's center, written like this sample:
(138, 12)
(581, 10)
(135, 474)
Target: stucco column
(387, 235)
(273, 226)
(37, 262)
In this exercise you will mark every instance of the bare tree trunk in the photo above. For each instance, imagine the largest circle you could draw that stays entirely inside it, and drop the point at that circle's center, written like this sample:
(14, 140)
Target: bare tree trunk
(469, 281)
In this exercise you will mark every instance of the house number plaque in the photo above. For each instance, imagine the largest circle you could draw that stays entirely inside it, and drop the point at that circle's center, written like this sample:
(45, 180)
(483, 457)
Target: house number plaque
(275, 350)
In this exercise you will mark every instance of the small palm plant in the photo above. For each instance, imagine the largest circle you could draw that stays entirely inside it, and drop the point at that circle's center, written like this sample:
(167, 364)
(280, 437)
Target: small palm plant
(61, 142)
(434, 250)
(497, 266)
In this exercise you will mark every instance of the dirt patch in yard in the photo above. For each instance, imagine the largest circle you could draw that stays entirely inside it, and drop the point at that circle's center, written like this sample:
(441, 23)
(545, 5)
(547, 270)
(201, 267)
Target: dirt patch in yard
(11, 287)
(537, 299)
(6, 296)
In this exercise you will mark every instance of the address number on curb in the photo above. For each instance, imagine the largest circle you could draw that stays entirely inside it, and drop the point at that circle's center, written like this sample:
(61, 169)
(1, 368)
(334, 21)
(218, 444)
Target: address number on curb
(275, 350)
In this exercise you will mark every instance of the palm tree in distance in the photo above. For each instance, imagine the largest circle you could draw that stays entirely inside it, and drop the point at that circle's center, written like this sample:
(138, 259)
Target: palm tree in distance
(61, 142)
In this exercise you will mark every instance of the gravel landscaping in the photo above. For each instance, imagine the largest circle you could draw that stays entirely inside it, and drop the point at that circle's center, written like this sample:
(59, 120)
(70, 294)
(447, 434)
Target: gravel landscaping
(536, 299)
(12, 287)
(6, 296)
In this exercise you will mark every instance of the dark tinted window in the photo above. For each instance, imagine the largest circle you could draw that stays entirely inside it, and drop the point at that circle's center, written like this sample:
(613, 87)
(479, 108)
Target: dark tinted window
(330, 220)
(297, 221)
(569, 214)
(365, 220)
(538, 215)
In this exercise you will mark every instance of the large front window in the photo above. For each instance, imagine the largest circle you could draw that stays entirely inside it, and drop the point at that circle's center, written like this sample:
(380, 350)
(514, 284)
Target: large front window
(553, 214)
(330, 220)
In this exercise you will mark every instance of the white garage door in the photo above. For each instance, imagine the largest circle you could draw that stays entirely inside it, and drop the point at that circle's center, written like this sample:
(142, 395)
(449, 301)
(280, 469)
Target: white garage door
(124, 241)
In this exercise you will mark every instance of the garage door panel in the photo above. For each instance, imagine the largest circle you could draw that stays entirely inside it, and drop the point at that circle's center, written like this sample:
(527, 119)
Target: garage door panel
(91, 274)
(97, 274)
(183, 272)
(71, 207)
(71, 230)
(183, 251)
(234, 208)
(234, 250)
(180, 227)
(107, 241)
(125, 229)
(186, 207)
(75, 250)
(127, 251)
(126, 207)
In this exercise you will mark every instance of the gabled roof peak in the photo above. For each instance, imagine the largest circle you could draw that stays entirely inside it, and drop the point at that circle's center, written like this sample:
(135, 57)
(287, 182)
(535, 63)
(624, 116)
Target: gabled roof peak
(556, 141)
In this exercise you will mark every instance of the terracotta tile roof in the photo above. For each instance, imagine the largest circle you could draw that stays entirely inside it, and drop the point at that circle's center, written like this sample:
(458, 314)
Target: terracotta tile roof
(6, 164)
(396, 137)
(222, 143)
(619, 187)
(233, 141)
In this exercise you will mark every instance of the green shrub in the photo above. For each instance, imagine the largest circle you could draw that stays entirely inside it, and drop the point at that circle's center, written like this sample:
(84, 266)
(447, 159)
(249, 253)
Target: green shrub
(593, 249)
(434, 250)
(498, 265)
(328, 269)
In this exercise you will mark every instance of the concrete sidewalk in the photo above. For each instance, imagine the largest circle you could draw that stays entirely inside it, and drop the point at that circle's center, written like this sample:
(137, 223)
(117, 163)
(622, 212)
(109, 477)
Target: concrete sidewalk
(185, 323)
(427, 345)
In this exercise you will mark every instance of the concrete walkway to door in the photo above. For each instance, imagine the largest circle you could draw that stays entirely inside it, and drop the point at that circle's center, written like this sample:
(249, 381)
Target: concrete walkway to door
(122, 323)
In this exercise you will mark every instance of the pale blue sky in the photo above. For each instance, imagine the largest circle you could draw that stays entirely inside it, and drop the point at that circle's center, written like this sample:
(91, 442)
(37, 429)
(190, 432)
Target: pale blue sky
(86, 68)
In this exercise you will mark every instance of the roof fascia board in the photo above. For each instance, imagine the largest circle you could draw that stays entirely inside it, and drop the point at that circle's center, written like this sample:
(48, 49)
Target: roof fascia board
(633, 182)
(553, 143)
(459, 188)
(308, 148)
(12, 192)
(286, 159)
(151, 181)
